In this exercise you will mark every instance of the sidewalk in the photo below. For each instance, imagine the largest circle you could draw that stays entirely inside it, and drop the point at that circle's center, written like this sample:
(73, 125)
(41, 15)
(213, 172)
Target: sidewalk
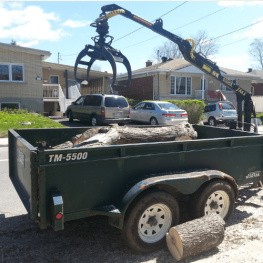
(3, 142)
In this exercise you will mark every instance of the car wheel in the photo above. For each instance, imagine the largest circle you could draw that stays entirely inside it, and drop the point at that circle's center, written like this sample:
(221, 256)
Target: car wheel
(216, 197)
(212, 121)
(70, 117)
(148, 221)
(153, 121)
(94, 120)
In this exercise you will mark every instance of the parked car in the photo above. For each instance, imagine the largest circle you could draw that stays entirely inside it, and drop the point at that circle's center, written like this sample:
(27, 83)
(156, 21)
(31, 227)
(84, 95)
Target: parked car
(158, 112)
(219, 112)
(99, 109)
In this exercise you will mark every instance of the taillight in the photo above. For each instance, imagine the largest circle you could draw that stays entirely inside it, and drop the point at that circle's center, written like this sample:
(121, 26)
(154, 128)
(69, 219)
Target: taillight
(59, 216)
(184, 115)
(169, 115)
(102, 112)
(220, 106)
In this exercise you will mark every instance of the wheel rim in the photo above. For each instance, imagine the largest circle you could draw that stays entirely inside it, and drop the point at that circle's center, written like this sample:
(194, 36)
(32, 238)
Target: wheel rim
(153, 121)
(211, 122)
(154, 223)
(219, 203)
(93, 121)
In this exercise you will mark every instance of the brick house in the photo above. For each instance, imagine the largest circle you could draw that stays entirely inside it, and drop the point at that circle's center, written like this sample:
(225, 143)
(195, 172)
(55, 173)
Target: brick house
(178, 79)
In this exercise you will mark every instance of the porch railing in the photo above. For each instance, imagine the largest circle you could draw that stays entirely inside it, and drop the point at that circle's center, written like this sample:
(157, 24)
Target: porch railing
(51, 91)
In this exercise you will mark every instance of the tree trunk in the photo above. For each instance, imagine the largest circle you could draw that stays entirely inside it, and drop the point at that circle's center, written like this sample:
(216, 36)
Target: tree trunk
(115, 134)
(196, 236)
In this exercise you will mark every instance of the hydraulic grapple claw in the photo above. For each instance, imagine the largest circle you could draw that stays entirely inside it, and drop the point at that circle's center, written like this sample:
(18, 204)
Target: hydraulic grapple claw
(102, 51)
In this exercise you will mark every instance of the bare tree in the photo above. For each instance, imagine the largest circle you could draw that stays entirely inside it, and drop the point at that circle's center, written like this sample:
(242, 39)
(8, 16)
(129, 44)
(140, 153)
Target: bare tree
(203, 45)
(256, 52)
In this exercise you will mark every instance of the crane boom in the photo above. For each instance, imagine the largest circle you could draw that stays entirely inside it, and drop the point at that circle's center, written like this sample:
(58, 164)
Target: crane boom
(187, 48)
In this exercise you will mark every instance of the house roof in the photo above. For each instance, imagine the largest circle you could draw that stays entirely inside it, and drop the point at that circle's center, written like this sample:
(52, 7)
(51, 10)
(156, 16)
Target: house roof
(63, 67)
(257, 72)
(181, 65)
(16, 48)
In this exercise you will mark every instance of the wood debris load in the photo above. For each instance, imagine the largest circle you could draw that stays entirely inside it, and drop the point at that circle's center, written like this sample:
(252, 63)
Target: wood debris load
(113, 135)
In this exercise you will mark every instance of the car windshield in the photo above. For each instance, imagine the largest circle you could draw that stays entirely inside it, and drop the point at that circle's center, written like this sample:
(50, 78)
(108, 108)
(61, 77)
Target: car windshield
(168, 106)
(118, 102)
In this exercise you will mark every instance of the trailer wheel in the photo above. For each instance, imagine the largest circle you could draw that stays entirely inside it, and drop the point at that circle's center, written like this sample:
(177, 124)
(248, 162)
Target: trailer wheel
(216, 197)
(148, 221)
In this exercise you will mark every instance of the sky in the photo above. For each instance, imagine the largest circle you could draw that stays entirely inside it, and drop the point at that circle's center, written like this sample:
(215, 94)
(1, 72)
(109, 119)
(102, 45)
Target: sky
(63, 28)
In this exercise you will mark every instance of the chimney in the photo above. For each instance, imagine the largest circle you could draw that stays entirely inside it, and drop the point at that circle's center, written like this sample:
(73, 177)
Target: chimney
(148, 63)
(164, 59)
(249, 70)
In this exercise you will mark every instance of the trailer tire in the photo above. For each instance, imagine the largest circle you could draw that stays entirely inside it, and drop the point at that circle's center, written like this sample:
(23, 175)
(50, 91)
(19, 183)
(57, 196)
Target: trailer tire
(148, 221)
(216, 197)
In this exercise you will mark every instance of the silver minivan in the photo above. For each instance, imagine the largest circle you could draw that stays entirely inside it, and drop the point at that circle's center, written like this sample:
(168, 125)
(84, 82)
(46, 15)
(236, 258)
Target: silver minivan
(100, 109)
(219, 112)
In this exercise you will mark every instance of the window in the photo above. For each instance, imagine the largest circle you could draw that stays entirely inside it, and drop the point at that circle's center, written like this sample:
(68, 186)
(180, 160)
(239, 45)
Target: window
(181, 85)
(11, 72)
(10, 105)
(92, 100)
(53, 79)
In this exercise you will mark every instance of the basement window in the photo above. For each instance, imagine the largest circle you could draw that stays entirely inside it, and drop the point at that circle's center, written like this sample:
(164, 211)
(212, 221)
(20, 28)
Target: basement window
(10, 105)
(11, 72)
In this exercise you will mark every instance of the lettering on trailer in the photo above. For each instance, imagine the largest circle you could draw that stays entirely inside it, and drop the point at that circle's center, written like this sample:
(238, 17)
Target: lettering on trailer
(76, 156)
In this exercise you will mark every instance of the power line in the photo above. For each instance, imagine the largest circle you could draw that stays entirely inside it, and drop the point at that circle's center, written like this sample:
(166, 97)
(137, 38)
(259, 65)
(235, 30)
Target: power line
(137, 29)
(196, 20)
(239, 29)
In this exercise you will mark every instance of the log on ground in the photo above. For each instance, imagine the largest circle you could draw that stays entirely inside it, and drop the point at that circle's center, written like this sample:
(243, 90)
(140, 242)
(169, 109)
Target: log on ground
(195, 236)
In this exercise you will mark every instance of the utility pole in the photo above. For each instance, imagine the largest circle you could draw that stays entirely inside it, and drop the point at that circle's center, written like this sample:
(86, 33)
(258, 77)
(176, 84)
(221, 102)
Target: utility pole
(59, 57)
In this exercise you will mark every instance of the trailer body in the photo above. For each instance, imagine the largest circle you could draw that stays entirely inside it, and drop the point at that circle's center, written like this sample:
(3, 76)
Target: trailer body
(68, 184)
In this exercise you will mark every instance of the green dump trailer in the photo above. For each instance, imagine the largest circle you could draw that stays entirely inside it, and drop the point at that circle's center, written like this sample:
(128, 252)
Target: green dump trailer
(143, 188)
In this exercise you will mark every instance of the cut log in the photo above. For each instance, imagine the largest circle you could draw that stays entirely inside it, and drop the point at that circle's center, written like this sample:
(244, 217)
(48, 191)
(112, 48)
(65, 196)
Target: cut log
(177, 132)
(108, 137)
(195, 236)
(123, 135)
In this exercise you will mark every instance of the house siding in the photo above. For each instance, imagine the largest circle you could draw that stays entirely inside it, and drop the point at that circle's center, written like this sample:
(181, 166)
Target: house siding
(29, 93)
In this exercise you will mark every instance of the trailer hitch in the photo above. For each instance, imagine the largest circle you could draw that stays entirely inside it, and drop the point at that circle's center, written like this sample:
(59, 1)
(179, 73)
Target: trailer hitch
(102, 50)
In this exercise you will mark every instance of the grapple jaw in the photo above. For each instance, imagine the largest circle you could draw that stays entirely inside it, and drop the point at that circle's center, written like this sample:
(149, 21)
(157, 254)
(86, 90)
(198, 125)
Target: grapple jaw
(103, 51)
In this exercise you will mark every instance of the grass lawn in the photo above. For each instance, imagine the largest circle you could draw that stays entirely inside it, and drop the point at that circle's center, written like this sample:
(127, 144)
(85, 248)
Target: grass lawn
(21, 119)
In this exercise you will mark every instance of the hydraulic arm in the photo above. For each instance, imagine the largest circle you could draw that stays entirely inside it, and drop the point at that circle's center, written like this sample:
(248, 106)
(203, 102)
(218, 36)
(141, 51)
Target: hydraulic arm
(103, 50)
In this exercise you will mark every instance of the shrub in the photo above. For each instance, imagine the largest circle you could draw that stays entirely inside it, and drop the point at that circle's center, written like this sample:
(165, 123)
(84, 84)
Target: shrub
(194, 108)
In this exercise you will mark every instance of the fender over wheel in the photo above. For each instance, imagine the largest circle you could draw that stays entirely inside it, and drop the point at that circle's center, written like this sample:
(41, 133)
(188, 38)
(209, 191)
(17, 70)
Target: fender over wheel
(215, 197)
(148, 221)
